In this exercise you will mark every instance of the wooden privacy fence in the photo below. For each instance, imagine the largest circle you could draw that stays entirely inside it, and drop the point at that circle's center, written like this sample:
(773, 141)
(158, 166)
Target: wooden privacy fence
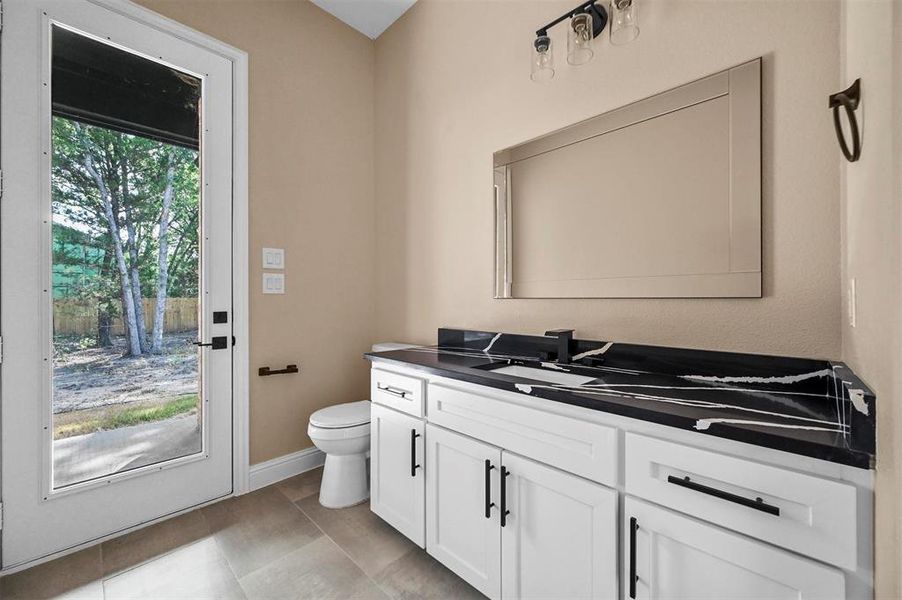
(79, 317)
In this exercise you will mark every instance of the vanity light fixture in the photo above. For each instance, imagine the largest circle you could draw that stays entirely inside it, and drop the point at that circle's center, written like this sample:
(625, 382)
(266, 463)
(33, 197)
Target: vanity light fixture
(586, 21)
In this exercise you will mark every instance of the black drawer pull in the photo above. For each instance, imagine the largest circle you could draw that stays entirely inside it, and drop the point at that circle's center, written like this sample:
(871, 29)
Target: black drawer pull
(634, 527)
(488, 488)
(393, 391)
(504, 512)
(757, 503)
(413, 452)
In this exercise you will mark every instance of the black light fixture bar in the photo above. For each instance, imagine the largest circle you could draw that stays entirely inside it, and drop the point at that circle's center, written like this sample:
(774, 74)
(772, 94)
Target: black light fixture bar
(599, 20)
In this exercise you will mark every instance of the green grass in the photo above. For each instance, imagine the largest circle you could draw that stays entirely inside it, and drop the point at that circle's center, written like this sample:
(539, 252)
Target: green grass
(114, 417)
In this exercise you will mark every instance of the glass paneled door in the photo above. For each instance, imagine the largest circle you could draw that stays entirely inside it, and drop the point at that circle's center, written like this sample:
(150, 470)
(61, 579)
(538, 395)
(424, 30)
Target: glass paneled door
(116, 275)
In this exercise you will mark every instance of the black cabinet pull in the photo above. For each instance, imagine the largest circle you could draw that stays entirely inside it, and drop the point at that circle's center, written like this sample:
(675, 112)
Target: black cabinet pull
(504, 512)
(413, 452)
(488, 488)
(393, 391)
(757, 503)
(634, 527)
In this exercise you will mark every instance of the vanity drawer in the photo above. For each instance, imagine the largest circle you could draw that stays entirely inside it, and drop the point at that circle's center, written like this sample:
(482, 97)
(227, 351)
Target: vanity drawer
(401, 392)
(570, 444)
(813, 516)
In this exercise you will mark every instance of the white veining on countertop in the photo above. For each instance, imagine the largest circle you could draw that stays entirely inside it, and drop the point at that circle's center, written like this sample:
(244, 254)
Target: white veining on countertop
(787, 379)
(693, 403)
(701, 388)
(595, 352)
(704, 424)
(554, 367)
(858, 401)
(492, 343)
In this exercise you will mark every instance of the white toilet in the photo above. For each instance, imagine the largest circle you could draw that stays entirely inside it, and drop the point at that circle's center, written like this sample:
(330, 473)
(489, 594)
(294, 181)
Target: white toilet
(342, 432)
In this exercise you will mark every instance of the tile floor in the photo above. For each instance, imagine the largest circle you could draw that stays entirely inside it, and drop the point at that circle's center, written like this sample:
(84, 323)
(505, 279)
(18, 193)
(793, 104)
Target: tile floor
(277, 542)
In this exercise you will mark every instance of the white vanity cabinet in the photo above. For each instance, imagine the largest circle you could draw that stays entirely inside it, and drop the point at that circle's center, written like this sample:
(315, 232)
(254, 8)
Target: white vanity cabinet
(810, 515)
(523, 497)
(462, 527)
(557, 537)
(560, 538)
(668, 555)
(397, 479)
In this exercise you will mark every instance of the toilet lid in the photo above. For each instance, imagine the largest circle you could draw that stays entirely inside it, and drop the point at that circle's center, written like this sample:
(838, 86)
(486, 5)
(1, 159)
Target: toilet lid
(342, 415)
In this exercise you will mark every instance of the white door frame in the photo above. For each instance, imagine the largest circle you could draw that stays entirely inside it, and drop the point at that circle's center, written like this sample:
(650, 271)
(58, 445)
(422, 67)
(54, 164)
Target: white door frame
(240, 304)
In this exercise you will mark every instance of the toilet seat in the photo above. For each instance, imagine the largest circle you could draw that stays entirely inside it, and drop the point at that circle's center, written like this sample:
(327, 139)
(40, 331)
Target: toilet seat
(342, 416)
(337, 433)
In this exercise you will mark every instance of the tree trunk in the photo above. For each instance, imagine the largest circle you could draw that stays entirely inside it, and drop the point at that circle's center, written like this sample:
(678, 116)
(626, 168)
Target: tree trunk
(104, 314)
(104, 323)
(134, 345)
(125, 299)
(163, 263)
(132, 244)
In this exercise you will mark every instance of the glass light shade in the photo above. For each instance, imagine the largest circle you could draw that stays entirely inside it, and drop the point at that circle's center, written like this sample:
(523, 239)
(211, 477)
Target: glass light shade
(542, 60)
(624, 21)
(579, 40)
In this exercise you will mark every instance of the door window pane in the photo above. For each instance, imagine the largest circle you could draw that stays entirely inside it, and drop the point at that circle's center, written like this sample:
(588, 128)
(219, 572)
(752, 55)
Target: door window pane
(126, 261)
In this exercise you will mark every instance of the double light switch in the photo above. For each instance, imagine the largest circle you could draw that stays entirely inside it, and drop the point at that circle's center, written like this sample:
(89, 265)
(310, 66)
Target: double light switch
(273, 283)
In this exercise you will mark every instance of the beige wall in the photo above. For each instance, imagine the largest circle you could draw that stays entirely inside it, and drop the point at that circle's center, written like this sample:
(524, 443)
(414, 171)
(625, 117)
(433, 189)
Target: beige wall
(450, 86)
(311, 192)
(453, 87)
(871, 251)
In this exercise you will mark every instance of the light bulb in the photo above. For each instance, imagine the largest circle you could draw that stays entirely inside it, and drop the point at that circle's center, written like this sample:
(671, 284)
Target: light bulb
(579, 39)
(542, 60)
(624, 21)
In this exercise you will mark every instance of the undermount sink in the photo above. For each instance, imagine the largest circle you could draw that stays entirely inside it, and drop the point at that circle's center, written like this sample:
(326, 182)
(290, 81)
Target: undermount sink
(546, 375)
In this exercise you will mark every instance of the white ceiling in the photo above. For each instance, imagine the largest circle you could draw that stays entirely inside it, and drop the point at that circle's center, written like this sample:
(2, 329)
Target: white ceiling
(369, 17)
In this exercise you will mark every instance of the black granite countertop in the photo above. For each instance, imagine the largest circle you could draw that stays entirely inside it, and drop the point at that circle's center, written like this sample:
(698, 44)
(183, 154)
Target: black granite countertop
(814, 408)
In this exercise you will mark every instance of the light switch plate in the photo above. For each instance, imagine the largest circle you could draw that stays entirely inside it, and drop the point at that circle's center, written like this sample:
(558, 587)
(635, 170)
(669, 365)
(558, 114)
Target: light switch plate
(273, 283)
(273, 258)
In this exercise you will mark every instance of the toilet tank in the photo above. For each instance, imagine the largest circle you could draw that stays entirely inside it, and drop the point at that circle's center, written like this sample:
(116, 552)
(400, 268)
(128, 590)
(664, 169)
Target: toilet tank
(387, 346)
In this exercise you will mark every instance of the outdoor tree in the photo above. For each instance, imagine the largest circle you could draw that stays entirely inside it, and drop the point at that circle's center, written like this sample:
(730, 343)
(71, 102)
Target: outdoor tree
(137, 199)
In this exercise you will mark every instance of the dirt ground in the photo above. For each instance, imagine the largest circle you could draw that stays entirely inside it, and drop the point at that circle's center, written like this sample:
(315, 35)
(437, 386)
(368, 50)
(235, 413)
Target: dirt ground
(86, 378)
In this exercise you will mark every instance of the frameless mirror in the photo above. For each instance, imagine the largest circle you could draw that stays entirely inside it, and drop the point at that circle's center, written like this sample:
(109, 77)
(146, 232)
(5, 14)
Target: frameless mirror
(658, 199)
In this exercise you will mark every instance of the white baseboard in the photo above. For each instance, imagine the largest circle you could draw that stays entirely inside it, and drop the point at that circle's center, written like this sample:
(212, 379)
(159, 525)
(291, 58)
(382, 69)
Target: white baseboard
(283, 467)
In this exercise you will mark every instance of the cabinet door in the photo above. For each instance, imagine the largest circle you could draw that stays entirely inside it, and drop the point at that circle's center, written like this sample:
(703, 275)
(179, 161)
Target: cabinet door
(560, 538)
(397, 481)
(462, 529)
(668, 555)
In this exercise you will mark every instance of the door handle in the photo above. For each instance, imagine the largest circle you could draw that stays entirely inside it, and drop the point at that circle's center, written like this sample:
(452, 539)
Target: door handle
(634, 527)
(219, 342)
(413, 452)
(488, 488)
(757, 503)
(504, 512)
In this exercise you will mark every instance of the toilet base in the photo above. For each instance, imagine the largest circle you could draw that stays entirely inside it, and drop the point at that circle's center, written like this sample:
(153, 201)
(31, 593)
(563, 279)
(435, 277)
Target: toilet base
(345, 482)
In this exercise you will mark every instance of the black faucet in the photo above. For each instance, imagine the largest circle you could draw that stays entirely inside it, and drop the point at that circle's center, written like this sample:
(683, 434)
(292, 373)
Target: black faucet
(564, 339)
